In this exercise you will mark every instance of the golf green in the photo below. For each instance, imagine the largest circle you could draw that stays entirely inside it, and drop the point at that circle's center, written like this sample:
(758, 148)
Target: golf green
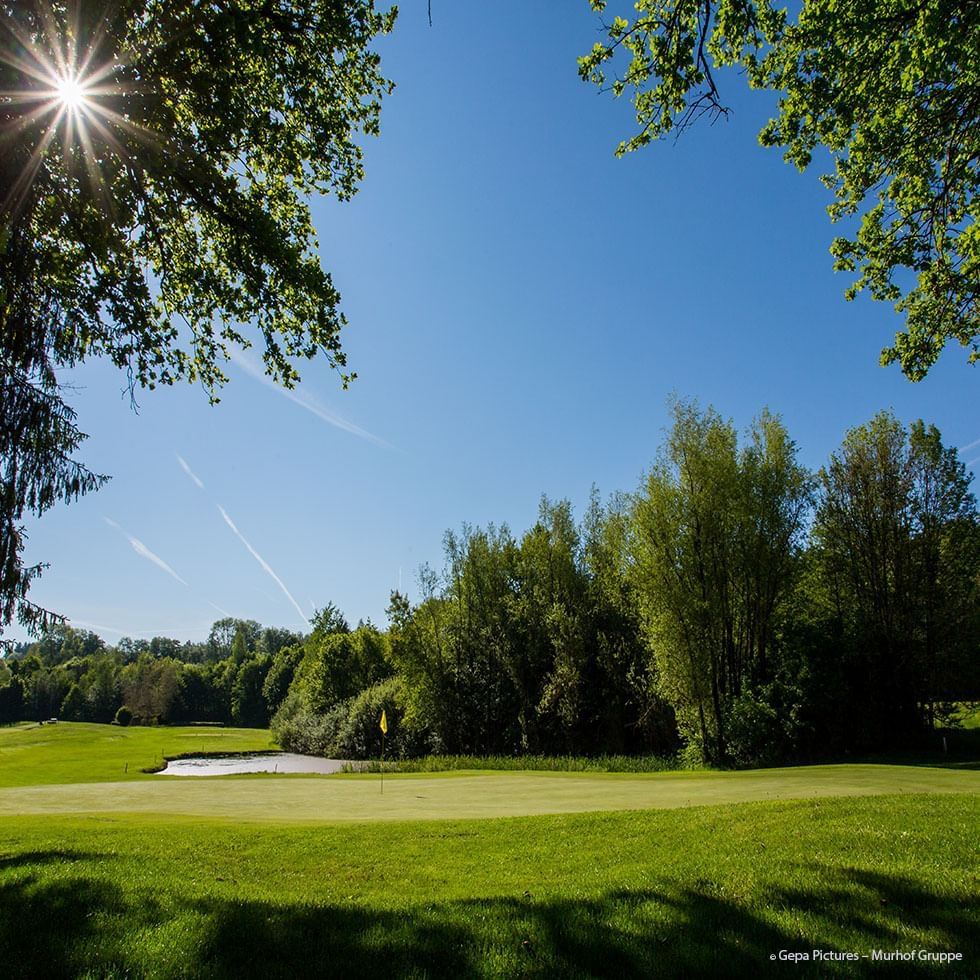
(464, 795)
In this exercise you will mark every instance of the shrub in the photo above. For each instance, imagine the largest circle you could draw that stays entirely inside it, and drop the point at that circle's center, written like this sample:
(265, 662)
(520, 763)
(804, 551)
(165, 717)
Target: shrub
(762, 726)
(123, 716)
(299, 729)
(360, 734)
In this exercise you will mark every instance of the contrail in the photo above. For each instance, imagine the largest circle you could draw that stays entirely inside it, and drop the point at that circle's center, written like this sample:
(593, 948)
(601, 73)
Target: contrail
(164, 631)
(189, 471)
(973, 462)
(144, 552)
(307, 401)
(966, 449)
(262, 562)
(97, 627)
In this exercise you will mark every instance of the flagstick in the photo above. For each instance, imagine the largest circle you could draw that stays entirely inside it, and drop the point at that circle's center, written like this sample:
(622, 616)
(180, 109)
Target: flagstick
(383, 725)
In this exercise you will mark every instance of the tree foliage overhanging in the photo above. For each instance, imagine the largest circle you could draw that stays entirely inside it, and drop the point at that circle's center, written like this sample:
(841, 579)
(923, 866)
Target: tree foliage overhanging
(888, 88)
(165, 219)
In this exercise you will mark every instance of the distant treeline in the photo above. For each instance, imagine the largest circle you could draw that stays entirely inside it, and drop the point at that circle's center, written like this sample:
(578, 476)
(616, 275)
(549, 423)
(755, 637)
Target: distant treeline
(74, 675)
(737, 606)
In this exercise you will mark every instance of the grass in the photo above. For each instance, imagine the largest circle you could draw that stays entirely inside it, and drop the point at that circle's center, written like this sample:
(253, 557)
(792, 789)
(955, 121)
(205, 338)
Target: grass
(512, 763)
(701, 892)
(75, 752)
(476, 795)
(671, 874)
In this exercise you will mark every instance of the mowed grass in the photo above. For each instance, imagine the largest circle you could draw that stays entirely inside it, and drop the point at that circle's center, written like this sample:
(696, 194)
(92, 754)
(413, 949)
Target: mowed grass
(75, 752)
(674, 874)
(475, 795)
(709, 891)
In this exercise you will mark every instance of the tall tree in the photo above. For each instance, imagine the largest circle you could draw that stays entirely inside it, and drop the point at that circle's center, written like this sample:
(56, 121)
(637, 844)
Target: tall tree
(156, 157)
(716, 532)
(626, 710)
(886, 88)
(248, 706)
(150, 688)
(896, 536)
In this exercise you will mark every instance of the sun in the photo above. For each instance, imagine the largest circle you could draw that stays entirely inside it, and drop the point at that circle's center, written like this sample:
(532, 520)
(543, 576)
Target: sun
(71, 93)
(62, 97)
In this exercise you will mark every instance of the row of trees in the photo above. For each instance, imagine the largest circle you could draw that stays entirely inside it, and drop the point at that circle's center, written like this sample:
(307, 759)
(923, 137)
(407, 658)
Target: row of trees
(737, 603)
(72, 674)
(790, 612)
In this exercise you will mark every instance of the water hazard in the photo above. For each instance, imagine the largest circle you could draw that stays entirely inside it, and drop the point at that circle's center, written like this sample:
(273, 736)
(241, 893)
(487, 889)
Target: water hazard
(238, 764)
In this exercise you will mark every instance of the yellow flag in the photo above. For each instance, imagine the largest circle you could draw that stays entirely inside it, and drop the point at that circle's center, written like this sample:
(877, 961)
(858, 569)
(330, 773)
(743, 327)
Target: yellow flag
(384, 722)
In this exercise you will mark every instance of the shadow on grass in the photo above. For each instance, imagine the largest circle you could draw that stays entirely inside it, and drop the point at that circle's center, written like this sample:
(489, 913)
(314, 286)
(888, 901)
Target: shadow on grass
(86, 926)
(10, 861)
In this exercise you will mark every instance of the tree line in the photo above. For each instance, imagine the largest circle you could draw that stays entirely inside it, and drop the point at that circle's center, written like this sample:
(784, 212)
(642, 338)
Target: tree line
(72, 674)
(737, 606)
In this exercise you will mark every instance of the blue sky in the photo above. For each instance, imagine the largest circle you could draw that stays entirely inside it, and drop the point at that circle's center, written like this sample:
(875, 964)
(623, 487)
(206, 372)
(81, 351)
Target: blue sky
(521, 304)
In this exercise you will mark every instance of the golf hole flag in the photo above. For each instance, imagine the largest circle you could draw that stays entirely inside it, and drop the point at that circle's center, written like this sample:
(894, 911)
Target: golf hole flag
(384, 723)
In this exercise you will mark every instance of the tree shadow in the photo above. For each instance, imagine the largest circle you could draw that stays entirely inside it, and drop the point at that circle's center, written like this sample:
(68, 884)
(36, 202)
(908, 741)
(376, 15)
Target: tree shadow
(83, 925)
(9, 862)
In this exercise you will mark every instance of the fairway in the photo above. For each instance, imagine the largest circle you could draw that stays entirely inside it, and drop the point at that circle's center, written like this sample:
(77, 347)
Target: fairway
(78, 752)
(705, 891)
(107, 871)
(450, 796)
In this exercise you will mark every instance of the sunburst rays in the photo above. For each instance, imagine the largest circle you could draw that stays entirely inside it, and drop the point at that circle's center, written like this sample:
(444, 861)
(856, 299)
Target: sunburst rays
(70, 80)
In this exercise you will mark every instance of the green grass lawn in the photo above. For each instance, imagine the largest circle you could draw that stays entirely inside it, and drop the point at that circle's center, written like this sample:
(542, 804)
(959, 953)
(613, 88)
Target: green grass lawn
(455, 795)
(674, 874)
(74, 752)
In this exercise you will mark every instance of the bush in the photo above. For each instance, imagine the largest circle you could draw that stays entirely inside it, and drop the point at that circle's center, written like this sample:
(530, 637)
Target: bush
(298, 729)
(762, 726)
(360, 734)
(123, 716)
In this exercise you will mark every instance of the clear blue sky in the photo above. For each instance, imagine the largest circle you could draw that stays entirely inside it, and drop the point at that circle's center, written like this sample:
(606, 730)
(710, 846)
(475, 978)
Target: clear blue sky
(521, 304)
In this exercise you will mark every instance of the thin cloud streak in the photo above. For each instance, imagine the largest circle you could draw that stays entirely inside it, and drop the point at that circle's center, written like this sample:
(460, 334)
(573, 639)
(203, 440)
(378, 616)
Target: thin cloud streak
(144, 552)
(973, 462)
(164, 631)
(189, 471)
(307, 401)
(262, 562)
(95, 627)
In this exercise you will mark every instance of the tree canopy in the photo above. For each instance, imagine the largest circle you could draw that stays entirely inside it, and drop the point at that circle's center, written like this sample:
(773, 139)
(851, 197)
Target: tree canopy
(888, 89)
(156, 159)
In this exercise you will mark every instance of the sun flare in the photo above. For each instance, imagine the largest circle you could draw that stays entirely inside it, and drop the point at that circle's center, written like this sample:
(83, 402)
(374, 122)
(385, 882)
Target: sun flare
(71, 93)
(61, 98)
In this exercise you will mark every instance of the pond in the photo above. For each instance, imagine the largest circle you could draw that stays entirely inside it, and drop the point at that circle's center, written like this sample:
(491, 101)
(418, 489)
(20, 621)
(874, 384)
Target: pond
(228, 765)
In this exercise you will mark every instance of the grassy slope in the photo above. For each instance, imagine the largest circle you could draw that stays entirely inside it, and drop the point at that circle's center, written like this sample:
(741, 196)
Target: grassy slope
(695, 891)
(704, 891)
(71, 752)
